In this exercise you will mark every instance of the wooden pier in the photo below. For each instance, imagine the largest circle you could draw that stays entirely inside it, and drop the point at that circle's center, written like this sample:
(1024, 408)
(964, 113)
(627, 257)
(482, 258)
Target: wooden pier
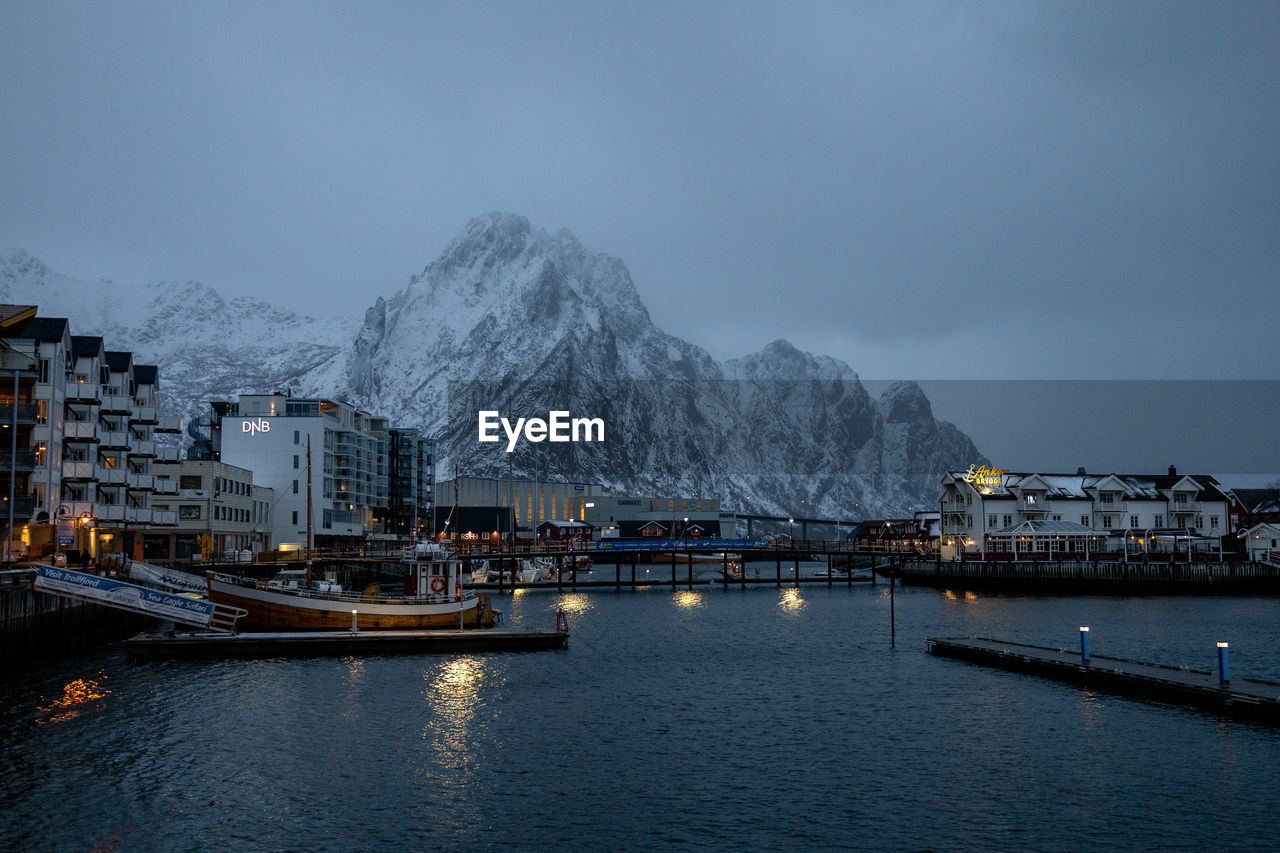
(1248, 697)
(1107, 576)
(174, 644)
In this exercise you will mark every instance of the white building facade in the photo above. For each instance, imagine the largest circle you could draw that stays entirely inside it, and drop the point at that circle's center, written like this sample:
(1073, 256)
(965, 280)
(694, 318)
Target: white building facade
(997, 512)
(269, 435)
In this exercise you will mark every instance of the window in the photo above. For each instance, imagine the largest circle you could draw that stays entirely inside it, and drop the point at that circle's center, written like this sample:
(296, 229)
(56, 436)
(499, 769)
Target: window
(1199, 521)
(295, 487)
(1213, 521)
(1057, 518)
(991, 520)
(295, 516)
(1106, 521)
(189, 481)
(42, 412)
(39, 454)
(1084, 521)
(1108, 498)
(297, 439)
(1133, 521)
(1008, 521)
(295, 460)
(188, 511)
(44, 370)
(1179, 497)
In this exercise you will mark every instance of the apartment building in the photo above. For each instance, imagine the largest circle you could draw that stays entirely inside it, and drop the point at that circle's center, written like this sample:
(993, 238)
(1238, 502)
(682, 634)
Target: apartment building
(272, 434)
(84, 427)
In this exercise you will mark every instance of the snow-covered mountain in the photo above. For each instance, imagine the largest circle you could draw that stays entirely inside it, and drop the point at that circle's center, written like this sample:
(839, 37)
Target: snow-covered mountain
(512, 318)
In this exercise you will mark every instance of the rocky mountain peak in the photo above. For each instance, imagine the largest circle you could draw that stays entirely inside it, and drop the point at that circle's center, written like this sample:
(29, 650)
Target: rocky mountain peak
(904, 402)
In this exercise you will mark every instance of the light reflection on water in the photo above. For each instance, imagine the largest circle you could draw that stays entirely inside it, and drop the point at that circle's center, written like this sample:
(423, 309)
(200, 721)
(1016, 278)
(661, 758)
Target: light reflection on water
(790, 601)
(77, 693)
(687, 599)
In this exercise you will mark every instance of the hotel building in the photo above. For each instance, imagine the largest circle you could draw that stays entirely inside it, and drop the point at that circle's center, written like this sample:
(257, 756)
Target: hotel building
(1032, 515)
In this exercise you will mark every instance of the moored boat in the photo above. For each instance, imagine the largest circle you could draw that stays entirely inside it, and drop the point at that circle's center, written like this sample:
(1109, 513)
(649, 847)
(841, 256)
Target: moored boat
(433, 598)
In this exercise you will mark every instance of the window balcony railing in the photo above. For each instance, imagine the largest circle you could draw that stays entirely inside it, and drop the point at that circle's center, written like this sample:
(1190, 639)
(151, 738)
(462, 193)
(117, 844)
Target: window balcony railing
(117, 403)
(111, 476)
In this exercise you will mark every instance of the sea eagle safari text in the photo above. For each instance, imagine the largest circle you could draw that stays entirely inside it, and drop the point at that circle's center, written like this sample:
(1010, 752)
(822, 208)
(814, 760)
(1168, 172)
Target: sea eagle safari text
(558, 426)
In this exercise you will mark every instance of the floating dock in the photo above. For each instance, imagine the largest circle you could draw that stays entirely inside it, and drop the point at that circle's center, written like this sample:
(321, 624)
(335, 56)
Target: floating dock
(1248, 697)
(293, 644)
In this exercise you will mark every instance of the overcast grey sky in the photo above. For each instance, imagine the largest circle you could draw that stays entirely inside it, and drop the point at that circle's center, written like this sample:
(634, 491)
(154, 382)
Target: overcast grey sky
(933, 190)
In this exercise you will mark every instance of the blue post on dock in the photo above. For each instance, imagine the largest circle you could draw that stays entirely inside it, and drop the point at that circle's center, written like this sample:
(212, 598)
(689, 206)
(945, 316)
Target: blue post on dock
(1084, 644)
(1224, 667)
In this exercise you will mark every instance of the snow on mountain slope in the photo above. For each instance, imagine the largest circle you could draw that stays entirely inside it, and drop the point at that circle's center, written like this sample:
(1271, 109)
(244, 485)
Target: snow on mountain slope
(206, 346)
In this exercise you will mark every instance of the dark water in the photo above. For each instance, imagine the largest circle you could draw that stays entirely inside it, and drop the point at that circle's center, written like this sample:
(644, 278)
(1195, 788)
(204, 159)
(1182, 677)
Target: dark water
(757, 719)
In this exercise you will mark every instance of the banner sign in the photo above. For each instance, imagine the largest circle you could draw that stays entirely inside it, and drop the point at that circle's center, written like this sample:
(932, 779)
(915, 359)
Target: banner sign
(126, 596)
(682, 545)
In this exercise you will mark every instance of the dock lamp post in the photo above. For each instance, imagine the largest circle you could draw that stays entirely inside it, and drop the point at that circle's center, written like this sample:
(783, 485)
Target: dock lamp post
(1224, 666)
(791, 530)
(1084, 644)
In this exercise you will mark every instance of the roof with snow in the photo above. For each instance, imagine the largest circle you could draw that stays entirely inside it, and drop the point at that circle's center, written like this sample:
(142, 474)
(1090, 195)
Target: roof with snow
(1081, 486)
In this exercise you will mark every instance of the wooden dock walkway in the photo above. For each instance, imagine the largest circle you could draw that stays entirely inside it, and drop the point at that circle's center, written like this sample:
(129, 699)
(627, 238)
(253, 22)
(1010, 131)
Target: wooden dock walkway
(1242, 696)
(294, 644)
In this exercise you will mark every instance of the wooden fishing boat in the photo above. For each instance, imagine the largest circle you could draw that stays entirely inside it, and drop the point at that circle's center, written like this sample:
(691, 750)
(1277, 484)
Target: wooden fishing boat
(433, 598)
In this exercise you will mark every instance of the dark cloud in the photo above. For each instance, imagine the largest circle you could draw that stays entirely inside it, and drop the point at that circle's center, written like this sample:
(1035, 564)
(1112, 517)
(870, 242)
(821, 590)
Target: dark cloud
(947, 190)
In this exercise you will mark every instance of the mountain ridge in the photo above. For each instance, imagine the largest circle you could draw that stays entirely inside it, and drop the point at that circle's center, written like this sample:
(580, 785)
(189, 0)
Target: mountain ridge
(513, 317)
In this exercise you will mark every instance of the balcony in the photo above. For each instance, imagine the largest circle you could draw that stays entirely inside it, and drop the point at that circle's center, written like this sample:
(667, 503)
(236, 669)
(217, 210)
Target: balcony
(142, 447)
(168, 424)
(84, 393)
(168, 453)
(80, 431)
(144, 415)
(26, 413)
(23, 507)
(108, 512)
(75, 509)
(166, 486)
(117, 404)
(164, 518)
(138, 514)
(141, 482)
(79, 471)
(109, 476)
(1033, 506)
(114, 439)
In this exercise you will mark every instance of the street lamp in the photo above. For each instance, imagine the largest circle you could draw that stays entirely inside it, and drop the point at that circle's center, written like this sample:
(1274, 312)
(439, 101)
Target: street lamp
(85, 519)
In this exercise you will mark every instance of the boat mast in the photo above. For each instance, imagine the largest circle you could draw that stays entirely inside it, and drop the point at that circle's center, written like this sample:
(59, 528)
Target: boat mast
(308, 512)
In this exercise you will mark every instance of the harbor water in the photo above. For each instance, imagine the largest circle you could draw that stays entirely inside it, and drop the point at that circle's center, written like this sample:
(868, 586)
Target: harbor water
(722, 719)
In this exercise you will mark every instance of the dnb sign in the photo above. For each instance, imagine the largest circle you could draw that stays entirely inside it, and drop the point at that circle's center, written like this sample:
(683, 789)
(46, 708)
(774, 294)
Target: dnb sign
(260, 426)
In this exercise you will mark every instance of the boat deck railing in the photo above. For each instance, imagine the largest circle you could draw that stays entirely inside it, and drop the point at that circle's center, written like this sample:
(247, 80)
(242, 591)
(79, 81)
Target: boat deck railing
(348, 596)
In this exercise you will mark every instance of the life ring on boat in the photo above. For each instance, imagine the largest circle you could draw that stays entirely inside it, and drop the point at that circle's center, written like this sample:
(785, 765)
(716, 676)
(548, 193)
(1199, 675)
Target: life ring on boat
(437, 584)
(562, 622)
